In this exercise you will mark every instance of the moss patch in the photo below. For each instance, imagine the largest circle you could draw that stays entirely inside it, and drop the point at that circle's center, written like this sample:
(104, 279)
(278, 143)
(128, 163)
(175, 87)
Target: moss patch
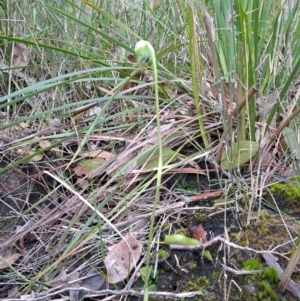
(287, 196)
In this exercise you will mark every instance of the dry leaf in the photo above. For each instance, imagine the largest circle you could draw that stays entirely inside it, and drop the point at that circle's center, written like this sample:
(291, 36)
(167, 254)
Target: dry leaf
(20, 56)
(88, 166)
(83, 183)
(198, 232)
(230, 106)
(36, 158)
(24, 152)
(121, 260)
(44, 143)
(20, 126)
(5, 262)
(93, 280)
(98, 154)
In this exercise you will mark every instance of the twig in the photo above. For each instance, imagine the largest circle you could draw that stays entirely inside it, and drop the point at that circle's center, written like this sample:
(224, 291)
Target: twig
(43, 296)
(240, 272)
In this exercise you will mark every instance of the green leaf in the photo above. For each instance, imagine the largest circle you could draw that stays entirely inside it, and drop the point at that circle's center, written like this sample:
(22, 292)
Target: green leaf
(144, 272)
(239, 153)
(152, 288)
(151, 160)
(208, 256)
(162, 254)
(180, 239)
(291, 140)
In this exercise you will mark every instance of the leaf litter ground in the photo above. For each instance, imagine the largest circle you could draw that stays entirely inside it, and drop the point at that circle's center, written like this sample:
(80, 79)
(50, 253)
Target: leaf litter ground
(184, 270)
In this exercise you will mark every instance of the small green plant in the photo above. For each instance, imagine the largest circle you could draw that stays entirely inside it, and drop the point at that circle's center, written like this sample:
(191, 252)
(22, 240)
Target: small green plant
(252, 264)
(264, 280)
(150, 276)
(185, 185)
(145, 53)
(270, 274)
(267, 293)
(202, 281)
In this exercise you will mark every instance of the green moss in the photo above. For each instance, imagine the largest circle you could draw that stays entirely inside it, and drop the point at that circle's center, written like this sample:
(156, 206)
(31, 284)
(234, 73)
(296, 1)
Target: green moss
(270, 274)
(202, 281)
(288, 191)
(192, 286)
(192, 265)
(267, 293)
(216, 275)
(252, 264)
(262, 233)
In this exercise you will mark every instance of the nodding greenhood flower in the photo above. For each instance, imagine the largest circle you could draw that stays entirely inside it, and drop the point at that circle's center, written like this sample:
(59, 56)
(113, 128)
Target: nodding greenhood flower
(144, 52)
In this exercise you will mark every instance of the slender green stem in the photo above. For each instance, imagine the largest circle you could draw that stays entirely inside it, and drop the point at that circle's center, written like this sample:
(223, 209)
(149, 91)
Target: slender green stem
(159, 174)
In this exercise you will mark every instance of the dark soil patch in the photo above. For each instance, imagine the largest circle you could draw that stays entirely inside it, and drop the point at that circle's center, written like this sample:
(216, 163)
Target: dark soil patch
(19, 190)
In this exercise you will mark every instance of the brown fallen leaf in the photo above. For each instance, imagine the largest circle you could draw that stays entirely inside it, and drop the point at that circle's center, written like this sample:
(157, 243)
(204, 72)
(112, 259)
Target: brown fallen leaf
(121, 259)
(24, 152)
(20, 126)
(98, 154)
(44, 143)
(198, 232)
(5, 262)
(230, 106)
(87, 166)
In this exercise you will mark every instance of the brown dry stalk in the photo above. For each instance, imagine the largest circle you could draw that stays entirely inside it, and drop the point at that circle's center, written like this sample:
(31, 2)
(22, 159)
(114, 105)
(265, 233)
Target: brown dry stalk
(282, 126)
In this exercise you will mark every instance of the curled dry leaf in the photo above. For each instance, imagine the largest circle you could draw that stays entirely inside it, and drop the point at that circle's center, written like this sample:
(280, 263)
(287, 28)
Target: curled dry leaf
(198, 233)
(121, 259)
(98, 153)
(20, 56)
(5, 262)
(230, 106)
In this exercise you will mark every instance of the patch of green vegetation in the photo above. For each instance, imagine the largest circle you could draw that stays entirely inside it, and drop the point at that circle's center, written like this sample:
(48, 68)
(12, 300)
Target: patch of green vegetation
(252, 264)
(192, 265)
(192, 286)
(267, 293)
(202, 281)
(289, 192)
(163, 254)
(263, 281)
(270, 274)
(261, 234)
(184, 185)
(216, 275)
